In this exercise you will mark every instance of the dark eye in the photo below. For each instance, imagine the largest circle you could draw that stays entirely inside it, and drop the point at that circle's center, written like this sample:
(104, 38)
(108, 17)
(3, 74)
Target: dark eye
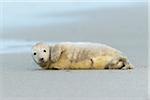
(44, 50)
(34, 53)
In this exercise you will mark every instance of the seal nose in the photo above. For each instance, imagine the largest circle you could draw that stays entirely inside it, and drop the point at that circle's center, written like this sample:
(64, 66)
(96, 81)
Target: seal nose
(41, 59)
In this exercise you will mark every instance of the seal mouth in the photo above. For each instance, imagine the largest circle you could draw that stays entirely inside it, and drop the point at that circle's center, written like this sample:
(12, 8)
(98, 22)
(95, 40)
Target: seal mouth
(41, 62)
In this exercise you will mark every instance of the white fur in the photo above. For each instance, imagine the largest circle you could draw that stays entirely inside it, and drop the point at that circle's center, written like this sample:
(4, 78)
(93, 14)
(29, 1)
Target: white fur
(79, 55)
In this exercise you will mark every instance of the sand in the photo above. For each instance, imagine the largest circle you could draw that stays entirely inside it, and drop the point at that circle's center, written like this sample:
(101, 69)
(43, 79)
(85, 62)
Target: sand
(21, 78)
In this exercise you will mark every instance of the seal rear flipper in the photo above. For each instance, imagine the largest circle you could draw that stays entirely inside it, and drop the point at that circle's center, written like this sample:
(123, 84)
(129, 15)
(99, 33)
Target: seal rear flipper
(119, 63)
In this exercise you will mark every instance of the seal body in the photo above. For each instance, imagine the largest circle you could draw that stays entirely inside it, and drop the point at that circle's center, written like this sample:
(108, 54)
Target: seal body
(68, 55)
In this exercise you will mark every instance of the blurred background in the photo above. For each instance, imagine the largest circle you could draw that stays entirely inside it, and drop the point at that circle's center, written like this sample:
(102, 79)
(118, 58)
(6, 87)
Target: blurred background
(122, 24)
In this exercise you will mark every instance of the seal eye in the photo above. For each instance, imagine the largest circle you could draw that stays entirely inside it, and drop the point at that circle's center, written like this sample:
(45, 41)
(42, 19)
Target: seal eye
(44, 50)
(34, 53)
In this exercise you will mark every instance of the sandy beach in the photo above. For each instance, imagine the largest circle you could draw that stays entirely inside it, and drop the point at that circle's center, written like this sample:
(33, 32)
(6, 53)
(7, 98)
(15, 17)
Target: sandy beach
(23, 80)
(120, 25)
